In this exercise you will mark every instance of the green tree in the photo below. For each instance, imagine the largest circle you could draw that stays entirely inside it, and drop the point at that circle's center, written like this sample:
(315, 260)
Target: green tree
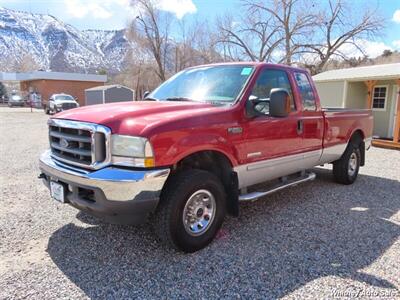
(387, 53)
(102, 72)
(3, 91)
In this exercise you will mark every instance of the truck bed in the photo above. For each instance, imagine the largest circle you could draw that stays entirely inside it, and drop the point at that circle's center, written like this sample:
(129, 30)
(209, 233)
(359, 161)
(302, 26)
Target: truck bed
(341, 123)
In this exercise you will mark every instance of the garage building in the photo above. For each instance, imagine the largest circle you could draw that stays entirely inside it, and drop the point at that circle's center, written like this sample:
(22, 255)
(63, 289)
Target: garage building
(48, 83)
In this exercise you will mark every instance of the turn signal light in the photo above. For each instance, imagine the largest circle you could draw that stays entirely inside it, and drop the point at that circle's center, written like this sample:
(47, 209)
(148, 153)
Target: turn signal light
(149, 162)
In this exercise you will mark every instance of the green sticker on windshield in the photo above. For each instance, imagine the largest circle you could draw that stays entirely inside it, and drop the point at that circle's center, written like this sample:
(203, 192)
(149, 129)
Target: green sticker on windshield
(246, 71)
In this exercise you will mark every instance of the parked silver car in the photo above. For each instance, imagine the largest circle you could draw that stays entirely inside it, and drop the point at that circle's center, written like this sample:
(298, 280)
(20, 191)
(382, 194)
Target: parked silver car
(16, 100)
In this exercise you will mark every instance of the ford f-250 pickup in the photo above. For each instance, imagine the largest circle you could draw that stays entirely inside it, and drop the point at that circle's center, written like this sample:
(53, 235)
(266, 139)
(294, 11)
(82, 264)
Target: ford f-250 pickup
(198, 145)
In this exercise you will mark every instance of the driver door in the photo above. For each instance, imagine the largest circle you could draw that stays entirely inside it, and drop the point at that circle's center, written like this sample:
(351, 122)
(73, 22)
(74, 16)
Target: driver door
(271, 140)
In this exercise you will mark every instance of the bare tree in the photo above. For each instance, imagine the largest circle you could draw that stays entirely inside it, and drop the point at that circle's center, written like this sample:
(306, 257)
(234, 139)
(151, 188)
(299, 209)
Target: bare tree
(195, 44)
(340, 26)
(205, 43)
(153, 26)
(26, 63)
(295, 20)
(253, 37)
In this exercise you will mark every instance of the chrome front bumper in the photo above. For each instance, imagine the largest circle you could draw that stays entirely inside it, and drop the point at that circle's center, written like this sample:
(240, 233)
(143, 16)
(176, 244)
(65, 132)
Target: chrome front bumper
(115, 191)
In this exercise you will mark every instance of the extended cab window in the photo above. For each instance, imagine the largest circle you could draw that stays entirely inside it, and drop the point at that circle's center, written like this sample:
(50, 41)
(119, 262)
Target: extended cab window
(306, 91)
(266, 81)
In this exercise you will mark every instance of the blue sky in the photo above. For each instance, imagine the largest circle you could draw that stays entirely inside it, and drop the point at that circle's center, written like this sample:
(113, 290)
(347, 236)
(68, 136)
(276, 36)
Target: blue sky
(114, 14)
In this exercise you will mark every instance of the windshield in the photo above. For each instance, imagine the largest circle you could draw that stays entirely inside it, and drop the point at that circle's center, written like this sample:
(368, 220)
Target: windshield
(220, 84)
(16, 98)
(64, 97)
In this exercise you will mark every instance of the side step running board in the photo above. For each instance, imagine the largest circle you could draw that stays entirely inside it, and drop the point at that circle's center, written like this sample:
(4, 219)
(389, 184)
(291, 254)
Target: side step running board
(308, 176)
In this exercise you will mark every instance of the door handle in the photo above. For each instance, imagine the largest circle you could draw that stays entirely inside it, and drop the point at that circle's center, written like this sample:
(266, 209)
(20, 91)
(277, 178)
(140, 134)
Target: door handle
(300, 127)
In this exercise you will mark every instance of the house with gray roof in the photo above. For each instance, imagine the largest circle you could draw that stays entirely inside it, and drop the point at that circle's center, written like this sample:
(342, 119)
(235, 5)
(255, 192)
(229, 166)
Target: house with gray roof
(375, 87)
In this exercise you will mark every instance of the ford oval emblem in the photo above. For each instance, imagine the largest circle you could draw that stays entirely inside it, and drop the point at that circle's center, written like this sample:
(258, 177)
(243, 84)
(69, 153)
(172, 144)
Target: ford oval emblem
(64, 143)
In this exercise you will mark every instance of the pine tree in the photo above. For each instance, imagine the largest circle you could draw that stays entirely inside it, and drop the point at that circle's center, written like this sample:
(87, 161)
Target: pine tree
(3, 91)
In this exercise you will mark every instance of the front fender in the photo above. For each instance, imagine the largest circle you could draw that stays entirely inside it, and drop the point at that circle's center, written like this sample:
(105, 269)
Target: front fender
(197, 142)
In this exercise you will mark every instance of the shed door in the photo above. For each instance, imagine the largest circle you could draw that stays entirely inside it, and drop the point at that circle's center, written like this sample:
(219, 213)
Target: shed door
(393, 111)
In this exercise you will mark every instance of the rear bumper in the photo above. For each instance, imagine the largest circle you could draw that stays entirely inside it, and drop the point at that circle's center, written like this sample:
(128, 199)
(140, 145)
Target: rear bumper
(114, 194)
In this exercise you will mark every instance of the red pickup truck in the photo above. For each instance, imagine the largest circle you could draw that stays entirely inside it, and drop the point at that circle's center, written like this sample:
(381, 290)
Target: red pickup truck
(198, 145)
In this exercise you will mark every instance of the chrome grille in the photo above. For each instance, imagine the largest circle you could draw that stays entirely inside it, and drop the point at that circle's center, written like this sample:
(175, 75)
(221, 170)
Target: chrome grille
(79, 143)
(66, 106)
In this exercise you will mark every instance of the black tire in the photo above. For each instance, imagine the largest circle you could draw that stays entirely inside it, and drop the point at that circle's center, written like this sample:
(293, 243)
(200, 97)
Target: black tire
(344, 169)
(168, 218)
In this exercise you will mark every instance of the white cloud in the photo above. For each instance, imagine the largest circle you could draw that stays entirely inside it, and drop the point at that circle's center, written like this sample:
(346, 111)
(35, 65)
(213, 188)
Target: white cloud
(396, 44)
(80, 9)
(396, 16)
(105, 9)
(178, 7)
(370, 48)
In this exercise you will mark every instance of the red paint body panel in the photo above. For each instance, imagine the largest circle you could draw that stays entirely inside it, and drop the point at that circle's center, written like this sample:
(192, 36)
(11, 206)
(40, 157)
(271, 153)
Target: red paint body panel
(178, 129)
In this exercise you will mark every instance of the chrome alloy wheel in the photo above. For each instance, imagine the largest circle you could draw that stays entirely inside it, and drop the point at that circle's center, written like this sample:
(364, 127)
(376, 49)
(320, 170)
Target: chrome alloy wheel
(199, 212)
(352, 164)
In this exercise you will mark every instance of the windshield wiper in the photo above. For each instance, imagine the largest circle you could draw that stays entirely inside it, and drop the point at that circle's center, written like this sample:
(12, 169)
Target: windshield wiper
(178, 99)
(151, 99)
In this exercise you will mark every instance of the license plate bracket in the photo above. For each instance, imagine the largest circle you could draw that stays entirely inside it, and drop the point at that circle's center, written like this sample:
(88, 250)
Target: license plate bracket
(57, 191)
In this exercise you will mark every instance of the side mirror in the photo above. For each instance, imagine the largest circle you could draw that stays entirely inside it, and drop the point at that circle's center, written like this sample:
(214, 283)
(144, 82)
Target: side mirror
(250, 111)
(145, 94)
(279, 105)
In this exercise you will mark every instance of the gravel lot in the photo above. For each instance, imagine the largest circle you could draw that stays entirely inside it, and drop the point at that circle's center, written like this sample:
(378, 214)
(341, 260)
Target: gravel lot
(318, 240)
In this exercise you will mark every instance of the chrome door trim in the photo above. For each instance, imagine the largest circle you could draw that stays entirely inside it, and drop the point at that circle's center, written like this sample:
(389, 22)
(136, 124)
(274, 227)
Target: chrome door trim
(261, 171)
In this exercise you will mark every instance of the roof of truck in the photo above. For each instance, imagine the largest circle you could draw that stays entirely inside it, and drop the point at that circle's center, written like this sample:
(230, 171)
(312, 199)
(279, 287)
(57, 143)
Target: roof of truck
(252, 63)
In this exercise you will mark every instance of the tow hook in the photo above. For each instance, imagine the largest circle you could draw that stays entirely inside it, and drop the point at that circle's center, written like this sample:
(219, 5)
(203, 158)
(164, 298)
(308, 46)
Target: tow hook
(42, 176)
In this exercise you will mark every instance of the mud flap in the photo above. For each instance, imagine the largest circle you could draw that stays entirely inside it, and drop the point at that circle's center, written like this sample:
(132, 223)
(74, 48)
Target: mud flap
(233, 195)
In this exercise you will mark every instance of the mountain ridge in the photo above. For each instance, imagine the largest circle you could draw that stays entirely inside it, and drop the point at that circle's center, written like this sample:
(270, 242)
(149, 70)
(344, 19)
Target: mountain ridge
(58, 46)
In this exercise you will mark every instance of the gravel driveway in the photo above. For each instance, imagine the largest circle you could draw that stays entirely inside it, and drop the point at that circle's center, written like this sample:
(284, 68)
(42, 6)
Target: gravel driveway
(317, 240)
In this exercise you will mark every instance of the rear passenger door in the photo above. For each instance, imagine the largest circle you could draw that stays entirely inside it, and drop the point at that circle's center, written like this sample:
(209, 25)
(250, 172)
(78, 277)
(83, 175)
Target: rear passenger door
(311, 124)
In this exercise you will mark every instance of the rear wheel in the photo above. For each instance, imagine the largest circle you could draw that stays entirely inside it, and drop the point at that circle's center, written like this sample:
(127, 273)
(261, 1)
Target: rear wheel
(191, 210)
(345, 170)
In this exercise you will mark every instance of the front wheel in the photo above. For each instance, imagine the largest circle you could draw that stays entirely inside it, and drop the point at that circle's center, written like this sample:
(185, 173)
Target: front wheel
(191, 210)
(345, 170)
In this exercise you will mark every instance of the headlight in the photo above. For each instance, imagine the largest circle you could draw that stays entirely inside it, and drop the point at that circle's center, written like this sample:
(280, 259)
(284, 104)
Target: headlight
(131, 151)
(59, 105)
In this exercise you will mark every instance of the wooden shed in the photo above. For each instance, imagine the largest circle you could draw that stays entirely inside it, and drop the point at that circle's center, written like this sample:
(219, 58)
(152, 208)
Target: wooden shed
(108, 94)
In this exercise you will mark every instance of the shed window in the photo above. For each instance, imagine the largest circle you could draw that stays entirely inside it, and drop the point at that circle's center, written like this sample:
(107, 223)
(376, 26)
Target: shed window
(379, 97)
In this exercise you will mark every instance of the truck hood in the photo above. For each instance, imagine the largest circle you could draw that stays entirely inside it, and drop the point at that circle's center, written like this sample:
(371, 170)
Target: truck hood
(134, 118)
